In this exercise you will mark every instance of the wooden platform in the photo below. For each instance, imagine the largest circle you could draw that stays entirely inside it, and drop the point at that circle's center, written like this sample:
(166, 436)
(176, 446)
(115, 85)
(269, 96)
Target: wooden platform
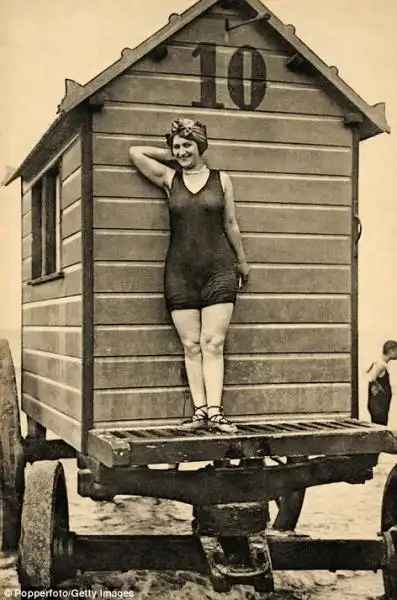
(141, 446)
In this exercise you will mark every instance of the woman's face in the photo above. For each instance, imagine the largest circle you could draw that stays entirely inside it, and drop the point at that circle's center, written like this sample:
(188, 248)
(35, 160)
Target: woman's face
(186, 152)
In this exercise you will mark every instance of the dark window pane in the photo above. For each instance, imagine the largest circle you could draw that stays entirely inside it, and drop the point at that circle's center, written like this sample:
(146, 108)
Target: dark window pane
(37, 243)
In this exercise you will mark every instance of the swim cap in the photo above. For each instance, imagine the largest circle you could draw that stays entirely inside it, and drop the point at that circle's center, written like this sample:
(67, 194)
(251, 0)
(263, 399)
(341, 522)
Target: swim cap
(191, 130)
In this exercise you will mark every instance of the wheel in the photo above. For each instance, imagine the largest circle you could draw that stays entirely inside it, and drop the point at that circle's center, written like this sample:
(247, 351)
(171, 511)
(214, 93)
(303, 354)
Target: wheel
(388, 521)
(45, 550)
(12, 463)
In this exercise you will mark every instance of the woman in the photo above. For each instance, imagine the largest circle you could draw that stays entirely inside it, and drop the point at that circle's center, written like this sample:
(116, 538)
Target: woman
(205, 261)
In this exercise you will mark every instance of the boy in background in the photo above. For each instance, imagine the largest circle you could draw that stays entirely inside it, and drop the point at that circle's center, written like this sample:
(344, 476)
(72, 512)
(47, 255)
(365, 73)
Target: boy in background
(379, 388)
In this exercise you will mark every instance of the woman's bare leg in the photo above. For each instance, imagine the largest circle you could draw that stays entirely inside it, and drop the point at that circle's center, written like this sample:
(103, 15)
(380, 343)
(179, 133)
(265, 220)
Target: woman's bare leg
(188, 324)
(215, 321)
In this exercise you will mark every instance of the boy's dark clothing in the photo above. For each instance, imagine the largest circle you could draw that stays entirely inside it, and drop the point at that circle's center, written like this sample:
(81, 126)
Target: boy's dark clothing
(379, 402)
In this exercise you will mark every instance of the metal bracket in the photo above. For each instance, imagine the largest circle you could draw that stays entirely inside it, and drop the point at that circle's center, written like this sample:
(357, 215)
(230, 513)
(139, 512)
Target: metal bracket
(265, 17)
(238, 561)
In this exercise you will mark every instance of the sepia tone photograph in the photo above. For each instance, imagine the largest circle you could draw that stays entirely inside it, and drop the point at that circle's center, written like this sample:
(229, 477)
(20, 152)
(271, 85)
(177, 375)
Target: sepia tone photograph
(198, 324)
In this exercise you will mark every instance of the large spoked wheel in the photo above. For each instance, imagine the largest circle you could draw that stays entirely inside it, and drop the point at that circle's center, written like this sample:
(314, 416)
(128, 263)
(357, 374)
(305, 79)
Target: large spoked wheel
(45, 550)
(12, 461)
(389, 529)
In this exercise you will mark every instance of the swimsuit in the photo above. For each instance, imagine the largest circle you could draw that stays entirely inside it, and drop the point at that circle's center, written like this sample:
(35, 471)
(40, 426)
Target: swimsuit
(200, 263)
(379, 403)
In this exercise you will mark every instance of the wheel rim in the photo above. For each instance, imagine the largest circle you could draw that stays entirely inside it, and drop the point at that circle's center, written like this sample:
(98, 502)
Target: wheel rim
(44, 527)
(389, 520)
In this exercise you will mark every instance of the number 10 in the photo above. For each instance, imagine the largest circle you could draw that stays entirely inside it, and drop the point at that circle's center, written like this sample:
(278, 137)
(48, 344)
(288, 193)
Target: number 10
(235, 77)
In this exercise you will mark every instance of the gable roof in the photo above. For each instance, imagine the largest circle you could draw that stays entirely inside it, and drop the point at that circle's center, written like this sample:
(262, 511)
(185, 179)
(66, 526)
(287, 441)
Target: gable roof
(374, 119)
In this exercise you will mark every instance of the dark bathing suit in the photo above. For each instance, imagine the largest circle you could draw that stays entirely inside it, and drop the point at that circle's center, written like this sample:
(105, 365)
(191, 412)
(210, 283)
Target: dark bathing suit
(200, 263)
(379, 404)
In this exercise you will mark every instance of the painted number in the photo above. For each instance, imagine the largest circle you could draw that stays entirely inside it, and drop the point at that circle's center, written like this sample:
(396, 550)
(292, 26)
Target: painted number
(243, 57)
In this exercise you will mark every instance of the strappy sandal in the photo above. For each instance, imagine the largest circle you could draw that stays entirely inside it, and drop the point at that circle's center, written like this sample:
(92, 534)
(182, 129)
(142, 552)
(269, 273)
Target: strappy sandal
(219, 422)
(197, 420)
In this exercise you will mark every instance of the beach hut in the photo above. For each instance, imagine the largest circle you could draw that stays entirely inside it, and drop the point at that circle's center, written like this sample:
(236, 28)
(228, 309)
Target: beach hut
(101, 364)
(98, 349)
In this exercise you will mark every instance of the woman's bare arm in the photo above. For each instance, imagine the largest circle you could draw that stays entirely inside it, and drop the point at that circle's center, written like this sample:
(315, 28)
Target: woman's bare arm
(150, 161)
(231, 227)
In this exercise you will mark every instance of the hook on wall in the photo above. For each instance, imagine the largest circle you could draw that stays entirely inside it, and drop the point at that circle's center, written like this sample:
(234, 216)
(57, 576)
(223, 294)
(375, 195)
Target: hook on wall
(263, 17)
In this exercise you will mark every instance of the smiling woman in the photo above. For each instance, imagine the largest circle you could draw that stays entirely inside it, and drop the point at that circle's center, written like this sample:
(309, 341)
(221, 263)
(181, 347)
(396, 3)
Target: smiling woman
(204, 263)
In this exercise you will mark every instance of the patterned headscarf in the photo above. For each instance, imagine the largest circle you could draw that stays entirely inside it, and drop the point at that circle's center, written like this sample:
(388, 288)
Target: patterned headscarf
(191, 130)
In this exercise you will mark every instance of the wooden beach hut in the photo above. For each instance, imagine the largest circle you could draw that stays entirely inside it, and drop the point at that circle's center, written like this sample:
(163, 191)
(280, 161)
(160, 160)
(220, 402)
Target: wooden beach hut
(98, 349)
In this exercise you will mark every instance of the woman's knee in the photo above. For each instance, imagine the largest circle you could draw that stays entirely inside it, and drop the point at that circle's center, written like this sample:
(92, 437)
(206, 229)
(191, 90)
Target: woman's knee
(191, 347)
(212, 343)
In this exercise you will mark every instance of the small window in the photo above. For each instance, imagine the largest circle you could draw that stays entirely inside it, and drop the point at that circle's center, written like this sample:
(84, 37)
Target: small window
(46, 211)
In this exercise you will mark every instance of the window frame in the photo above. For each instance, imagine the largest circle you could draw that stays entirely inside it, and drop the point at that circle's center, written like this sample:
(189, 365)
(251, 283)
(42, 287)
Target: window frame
(46, 227)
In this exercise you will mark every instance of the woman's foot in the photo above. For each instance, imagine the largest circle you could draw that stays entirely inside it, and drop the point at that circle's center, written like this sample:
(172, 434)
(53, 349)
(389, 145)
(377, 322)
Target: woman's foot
(216, 420)
(197, 420)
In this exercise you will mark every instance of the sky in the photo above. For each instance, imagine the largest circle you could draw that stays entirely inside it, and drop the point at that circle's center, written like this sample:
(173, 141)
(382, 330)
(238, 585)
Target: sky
(42, 42)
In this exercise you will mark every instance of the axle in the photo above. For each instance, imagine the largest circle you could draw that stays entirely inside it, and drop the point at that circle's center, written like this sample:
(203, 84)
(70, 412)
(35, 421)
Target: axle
(187, 552)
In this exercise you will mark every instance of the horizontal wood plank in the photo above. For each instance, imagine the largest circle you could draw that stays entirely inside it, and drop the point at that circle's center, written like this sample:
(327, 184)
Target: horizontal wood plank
(71, 189)
(272, 158)
(260, 339)
(127, 183)
(222, 124)
(153, 215)
(181, 61)
(118, 373)
(26, 246)
(259, 248)
(57, 314)
(237, 401)
(139, 310)
(64, 342)
(59, 368)
(26, 269)
(69, 285)
(53, 420)
(211, 30)
(71, 219)
(26, 202)
(72, 251)
(63, 399)
(71, 159)
(26, 226)
(183, 90)
(135, 277)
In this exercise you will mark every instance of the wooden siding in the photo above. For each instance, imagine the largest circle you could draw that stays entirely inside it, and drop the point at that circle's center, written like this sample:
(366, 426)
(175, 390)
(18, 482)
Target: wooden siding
(241, 400)
(148, 309)
(53, 420)
(161, 340)
(138, 277)
(260, 248)
(290, 159)
(279, 218)
(124, 182)
(311, 160)
(179, 62)
(52, 317)
(137, 372)
(276, 127)
(53, 313)
(183, 90)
